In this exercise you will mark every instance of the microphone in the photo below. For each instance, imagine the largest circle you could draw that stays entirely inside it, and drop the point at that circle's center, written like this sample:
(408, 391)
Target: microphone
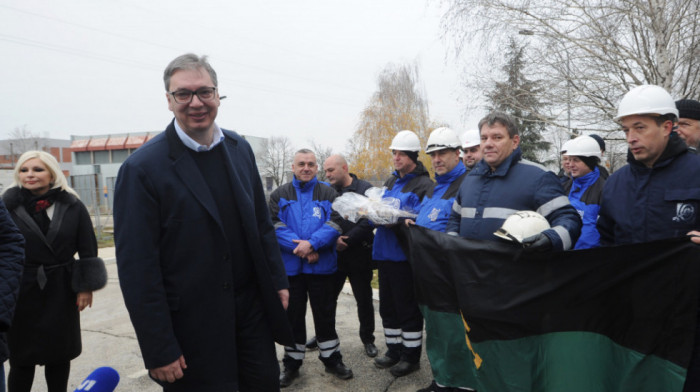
(102, 379)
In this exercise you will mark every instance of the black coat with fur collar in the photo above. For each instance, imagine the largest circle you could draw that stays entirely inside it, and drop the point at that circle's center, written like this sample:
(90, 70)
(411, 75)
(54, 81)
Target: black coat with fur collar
(46, 326)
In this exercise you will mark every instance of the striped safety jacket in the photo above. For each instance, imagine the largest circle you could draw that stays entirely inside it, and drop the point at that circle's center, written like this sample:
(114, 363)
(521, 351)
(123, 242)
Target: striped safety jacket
(486, 198)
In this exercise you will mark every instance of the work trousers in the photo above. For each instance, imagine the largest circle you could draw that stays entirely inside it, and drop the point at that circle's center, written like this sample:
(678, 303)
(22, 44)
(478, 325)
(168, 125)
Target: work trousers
(361, 283)
(401, 317)
(320, 291)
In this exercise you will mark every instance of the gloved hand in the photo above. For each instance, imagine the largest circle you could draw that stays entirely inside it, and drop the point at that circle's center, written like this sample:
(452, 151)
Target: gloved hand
(537, 243)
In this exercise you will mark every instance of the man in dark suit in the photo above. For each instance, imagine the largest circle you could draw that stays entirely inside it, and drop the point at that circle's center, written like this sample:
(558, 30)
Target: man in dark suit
(355, 251)
(199, 265)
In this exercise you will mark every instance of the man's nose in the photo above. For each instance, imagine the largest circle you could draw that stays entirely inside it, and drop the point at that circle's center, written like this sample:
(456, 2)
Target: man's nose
(196, 101)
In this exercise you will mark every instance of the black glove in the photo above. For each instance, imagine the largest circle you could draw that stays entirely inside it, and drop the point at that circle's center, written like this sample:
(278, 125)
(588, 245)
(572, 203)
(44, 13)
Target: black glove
(537, 243)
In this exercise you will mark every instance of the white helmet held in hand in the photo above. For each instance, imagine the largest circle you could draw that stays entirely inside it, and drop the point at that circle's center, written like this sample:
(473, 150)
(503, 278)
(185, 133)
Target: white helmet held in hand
(521, 225)
(583, 146)
(646, 99)
(471, 138)
(405, 141)
(442, 138)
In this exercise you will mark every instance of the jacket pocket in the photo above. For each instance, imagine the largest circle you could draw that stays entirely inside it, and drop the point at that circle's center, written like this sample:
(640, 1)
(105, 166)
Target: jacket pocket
(685, 204)
(682, 194)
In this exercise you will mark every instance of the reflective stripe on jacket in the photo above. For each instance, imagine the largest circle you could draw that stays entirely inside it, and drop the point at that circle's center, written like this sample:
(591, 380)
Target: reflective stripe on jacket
(487, 198)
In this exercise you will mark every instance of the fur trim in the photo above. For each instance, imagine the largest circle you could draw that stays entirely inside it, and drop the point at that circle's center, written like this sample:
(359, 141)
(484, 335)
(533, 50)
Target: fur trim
(13, 198)
(89, 274)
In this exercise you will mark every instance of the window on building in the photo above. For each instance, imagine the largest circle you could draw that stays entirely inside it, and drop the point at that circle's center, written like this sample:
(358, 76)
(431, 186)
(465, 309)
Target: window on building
(83, 158)
(119, 156)
(101, 157)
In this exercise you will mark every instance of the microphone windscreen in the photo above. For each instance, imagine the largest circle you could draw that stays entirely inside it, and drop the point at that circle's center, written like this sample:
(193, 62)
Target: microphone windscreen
(102, 379)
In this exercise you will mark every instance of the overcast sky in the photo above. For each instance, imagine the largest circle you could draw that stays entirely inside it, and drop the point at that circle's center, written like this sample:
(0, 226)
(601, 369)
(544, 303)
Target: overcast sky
(303, 69)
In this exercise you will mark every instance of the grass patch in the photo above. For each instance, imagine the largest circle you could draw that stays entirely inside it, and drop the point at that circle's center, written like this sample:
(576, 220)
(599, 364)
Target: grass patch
(105, 239)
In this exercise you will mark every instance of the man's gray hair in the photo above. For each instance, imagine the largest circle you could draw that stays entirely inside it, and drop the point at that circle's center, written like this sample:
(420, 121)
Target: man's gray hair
(305, 151)
(188, 61)
(500, 118)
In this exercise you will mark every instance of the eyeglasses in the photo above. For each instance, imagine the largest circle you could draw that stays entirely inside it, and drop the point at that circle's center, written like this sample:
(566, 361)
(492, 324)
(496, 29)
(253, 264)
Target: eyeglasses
(186, 96)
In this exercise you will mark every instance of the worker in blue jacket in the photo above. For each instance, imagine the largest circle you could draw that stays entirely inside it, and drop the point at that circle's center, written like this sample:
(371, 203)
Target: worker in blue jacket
(307, 229)
(657, 194)
(446, 347)
(401, 318)
(586, 187)
(504, 183)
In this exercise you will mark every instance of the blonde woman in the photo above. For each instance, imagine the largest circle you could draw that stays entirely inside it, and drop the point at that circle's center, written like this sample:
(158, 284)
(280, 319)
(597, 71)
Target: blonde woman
(55, 286)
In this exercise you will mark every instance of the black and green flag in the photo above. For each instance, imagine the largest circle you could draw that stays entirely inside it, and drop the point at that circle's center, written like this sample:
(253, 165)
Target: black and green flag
(606, 319)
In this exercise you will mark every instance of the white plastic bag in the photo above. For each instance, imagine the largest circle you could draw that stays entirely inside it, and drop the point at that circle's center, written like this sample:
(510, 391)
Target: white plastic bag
(381, 211)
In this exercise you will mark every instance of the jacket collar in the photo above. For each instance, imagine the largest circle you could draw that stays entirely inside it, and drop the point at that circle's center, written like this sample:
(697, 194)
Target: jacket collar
(482, 168)
(418, 171)
(453, 174)
(304, 186)
(350, 188)
(588, 179)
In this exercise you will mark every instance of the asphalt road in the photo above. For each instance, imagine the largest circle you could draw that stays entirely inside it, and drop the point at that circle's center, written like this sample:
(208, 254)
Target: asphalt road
(109, 340)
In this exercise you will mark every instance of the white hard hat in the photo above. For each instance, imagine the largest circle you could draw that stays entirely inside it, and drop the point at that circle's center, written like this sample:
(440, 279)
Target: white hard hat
(521, 225)
(405, 141)
(646, 99)
(471, 138)
(442, 138)
(583, 146)
(565, 146)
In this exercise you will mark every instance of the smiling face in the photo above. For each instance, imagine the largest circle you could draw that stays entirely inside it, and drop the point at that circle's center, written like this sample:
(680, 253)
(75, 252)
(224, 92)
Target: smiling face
(689, 130)
(35, 176)
(645, 138)
(304, 167)
(471, 156)
(197, 117)
(577, 167)
(496, 144)
(565, 160)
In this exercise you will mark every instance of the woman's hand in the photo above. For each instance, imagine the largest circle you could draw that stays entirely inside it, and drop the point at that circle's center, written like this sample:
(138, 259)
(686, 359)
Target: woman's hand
(84, 300)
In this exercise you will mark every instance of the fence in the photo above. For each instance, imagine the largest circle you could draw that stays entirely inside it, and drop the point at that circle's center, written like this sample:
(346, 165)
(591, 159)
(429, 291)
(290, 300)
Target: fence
(98, 196)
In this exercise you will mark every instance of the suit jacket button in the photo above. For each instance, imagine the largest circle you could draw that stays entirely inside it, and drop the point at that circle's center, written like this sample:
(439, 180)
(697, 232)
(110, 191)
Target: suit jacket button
(227, 285)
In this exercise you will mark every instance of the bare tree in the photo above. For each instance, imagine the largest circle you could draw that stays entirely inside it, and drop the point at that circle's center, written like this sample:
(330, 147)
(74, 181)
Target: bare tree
(322, 152)
(20, 140)
(276, 159)
(589, 51)
(399, 103)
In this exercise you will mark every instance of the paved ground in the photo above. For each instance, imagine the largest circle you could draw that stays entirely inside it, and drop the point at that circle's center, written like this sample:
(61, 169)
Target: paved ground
(109, 340)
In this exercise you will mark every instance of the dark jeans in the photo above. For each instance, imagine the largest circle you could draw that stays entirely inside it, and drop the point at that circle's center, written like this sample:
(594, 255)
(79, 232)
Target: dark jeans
(320, 292)
(401, 317)
(361, 282)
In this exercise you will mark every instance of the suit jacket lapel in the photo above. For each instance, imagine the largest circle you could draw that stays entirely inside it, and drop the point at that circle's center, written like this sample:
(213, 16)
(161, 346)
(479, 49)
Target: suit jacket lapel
(189, 174)
(56, 220)
(24, 216)
(241, 196)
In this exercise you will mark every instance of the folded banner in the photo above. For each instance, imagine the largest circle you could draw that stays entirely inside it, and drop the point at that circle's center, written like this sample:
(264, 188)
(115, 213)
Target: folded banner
(606, 319)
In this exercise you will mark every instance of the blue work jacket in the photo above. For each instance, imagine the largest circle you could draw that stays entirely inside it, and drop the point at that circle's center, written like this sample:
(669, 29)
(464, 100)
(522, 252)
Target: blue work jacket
(302, 211)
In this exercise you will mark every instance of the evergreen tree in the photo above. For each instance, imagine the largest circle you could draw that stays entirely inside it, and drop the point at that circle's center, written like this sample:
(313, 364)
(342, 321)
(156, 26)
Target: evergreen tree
(519, 97)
